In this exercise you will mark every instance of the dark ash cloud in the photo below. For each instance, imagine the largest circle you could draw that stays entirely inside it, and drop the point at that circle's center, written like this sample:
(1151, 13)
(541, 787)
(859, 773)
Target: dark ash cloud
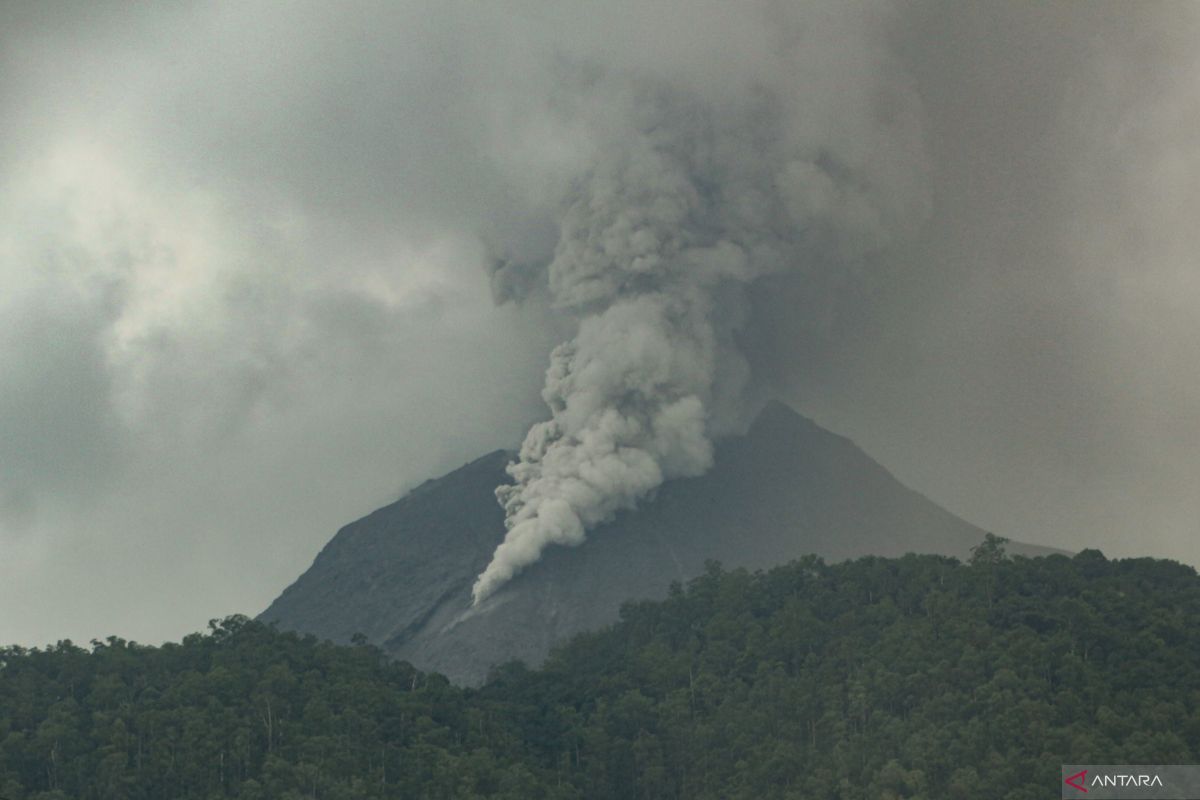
(243, 287)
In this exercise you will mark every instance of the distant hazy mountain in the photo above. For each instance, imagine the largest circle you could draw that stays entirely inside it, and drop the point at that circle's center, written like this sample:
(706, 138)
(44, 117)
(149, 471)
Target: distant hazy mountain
(402, 575)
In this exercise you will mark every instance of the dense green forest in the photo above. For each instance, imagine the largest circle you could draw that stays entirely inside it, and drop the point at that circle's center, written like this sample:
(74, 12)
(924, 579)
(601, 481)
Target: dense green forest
(877, 678)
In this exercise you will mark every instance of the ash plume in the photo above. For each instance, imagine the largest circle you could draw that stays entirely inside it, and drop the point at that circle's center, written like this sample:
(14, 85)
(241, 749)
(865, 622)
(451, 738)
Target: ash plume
(807, 158)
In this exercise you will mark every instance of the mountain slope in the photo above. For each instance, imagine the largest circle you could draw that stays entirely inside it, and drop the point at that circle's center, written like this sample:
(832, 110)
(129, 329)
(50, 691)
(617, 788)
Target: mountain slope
(402, 576)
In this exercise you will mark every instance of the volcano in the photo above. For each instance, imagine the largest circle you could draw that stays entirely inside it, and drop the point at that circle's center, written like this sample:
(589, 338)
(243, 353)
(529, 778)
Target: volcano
(402, 575)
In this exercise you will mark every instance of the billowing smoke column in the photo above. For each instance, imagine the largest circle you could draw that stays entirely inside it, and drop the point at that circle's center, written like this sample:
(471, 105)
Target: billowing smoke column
(690, 195)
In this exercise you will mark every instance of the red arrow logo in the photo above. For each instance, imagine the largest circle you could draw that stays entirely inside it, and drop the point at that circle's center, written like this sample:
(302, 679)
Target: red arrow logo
(1080, 776)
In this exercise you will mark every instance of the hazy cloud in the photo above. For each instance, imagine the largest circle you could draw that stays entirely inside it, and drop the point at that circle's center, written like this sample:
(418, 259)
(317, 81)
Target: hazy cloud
(243, 295)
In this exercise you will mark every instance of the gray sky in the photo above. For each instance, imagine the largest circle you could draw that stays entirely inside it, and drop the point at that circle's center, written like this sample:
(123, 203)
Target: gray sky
(243, 297)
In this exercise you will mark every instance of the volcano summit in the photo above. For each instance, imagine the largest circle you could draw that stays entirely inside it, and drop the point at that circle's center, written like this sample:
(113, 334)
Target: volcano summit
(402, 576)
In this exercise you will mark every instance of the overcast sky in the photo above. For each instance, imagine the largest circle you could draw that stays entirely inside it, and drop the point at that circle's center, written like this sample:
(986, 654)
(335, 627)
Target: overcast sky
(243, 297)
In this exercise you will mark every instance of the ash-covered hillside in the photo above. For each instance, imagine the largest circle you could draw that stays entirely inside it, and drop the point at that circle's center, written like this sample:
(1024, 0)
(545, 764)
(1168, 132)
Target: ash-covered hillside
(402, 575)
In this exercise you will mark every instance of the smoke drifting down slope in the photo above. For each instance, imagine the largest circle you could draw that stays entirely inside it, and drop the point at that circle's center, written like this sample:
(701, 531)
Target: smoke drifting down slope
(806, 158)
(402, 575)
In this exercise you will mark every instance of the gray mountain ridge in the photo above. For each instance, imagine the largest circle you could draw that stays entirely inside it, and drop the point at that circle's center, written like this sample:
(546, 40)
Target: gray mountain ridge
(402, 575)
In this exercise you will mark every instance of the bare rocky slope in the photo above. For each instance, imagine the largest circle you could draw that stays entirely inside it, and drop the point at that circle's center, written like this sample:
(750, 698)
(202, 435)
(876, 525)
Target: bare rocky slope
(402, 575)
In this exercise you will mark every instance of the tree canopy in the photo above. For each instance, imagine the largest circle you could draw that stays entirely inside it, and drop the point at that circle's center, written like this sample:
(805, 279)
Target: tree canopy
(916, 677)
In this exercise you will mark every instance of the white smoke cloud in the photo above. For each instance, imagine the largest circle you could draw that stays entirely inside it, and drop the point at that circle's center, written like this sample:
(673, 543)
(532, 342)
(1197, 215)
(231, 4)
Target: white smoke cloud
(241, 304)
(691, 194)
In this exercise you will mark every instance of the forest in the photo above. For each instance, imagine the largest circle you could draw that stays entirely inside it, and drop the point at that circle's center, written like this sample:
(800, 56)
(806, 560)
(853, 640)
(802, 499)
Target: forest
(916, 677)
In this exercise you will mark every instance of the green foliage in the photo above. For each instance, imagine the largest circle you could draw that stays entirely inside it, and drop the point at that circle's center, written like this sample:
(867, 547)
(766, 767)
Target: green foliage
(246, 711)
(989, 551)
(916, 677)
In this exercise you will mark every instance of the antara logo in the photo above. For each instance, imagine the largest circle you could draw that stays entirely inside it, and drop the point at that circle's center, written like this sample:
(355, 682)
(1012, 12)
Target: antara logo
(1126, 780)
(1081, 777)
(1079, 780)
